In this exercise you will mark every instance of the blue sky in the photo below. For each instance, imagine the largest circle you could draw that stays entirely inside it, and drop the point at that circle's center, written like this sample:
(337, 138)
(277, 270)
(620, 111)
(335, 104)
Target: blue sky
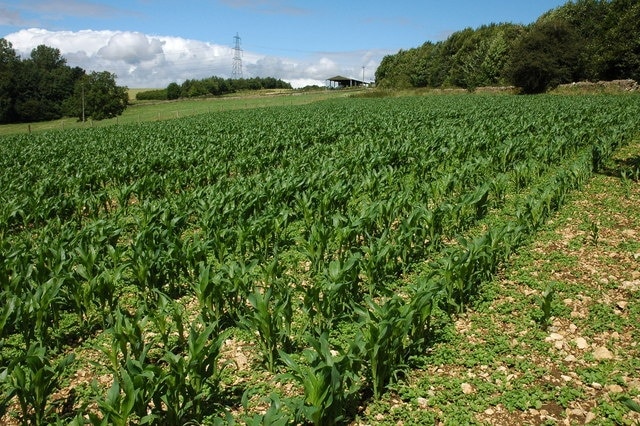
(149, 43)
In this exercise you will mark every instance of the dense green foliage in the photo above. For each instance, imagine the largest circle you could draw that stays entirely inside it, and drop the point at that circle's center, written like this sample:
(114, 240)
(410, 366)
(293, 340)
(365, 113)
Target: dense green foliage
(582, 40)
(212, 86)
(332, 239)
(43, 87)
(97, 96)
(545, 57)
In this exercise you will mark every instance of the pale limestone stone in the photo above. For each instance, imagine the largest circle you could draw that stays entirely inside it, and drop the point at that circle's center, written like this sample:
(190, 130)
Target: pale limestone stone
(614, 388)
(554, 337)
(581, 343)
(602, 353)
(467, 389)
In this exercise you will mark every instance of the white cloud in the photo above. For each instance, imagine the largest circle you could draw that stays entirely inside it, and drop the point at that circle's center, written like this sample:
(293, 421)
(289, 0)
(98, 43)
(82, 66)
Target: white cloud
(148, 61)
(131, 48)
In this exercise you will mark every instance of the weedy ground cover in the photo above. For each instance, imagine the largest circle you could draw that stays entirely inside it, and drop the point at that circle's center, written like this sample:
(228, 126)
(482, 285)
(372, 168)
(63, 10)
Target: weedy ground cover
(300, 264)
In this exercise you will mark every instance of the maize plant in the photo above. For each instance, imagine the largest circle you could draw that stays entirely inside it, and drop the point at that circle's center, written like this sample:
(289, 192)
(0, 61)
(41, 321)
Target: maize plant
(190, 384)
(270, 317)
(329, 379)
(32, 379)
(383, 341)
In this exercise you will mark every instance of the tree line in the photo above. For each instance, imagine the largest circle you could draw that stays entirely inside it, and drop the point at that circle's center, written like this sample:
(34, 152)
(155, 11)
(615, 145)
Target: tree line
(212, 86)
(43, 87)
(587, 40)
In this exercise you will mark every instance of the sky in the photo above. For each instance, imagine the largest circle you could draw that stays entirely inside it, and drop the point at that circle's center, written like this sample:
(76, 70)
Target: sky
(151, 43)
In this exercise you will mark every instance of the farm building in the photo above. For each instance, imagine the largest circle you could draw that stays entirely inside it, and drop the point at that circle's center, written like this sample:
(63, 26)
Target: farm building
(339, 81)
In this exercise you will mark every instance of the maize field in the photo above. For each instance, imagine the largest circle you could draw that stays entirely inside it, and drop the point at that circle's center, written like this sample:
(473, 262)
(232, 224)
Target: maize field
(327, 242)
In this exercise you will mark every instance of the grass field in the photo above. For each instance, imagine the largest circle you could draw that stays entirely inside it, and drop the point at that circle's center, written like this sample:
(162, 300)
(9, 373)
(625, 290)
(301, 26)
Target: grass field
(450, 259)
(144, 111)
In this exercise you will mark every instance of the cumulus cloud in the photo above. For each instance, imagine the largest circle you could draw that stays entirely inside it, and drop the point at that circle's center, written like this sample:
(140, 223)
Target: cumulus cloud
(131, 48)
(145, 61)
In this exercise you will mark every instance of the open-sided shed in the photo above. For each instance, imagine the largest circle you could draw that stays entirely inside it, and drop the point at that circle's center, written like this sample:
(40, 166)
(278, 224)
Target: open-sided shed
(340, 81)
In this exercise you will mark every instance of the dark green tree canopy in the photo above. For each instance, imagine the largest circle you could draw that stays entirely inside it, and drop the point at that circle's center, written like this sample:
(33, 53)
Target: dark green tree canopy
(545, 56)
(43, 87)
(47, 58)
(581, 40)
(9, 62)
(97, 96)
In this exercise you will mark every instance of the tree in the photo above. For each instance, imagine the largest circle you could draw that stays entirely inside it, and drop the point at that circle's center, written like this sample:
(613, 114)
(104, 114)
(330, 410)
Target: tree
(9, 63)
(43, 83)
(545, 56)
(481, 56)
(622, 59)
(99, 95)
(394, 71)
(47, 58)
(173, 91)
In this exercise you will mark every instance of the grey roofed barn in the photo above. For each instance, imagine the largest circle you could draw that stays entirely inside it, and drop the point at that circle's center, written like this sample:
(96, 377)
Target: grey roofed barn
(340, 81)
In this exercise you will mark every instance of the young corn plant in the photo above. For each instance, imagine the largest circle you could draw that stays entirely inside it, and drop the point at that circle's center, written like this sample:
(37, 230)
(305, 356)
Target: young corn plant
(209, 292)
(157, 255)
(127, 340)
(118, 404)
(137, 381)
(375, 261)
(545, 306)
(83, 283)
(329, 378)
(270, 317)
(594, 232)
(238, 277)
(168, 319)
(446, 282)
(7, 315)
(383, 341)
(105, 292)
(32, 379)
(333, 294)
(317, 245)
(420, 310)
(221, 294)
(40, 310)
(191, 383)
